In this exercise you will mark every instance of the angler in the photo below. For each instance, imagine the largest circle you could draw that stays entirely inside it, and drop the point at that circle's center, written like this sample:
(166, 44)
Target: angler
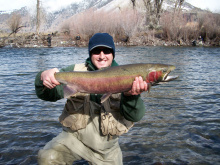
(102, 104)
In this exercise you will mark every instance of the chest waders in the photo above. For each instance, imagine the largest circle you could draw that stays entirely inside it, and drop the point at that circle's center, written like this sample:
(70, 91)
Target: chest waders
(90, 131)
(78, 109)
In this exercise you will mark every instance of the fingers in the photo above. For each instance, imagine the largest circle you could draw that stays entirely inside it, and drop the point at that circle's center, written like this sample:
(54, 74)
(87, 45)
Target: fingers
(49, 84)
(48, 78)
(139, 86)
(135, 87)
(145, 86)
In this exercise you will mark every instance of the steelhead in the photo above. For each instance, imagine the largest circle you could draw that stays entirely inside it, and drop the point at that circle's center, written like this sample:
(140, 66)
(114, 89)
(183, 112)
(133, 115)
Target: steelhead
(115, 79)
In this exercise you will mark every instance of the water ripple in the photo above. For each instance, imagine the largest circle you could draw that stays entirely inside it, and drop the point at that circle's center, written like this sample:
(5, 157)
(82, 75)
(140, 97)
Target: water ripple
(182, 120)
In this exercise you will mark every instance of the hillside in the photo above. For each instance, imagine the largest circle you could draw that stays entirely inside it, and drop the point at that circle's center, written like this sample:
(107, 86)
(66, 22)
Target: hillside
(51, 21)
(129, 23)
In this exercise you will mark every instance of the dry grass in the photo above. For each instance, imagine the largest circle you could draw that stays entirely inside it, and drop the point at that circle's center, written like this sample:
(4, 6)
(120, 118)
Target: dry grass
(175, 27)
(209, 25)
(128, 24)
(131, 27)
(121, 25)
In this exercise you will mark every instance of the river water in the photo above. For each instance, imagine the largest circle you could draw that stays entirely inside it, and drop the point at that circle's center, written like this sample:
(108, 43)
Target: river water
(182, 120)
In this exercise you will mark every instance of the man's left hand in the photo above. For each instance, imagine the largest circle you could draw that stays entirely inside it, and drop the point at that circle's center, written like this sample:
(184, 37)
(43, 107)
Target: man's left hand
(139, 86)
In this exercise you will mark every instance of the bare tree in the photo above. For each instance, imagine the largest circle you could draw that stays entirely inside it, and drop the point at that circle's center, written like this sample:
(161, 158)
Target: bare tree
(158, 8)
(15, 23)
(149, 10)
(148, 6)
(178, 5)
(38, 17)
(133, 2)
(153, 11)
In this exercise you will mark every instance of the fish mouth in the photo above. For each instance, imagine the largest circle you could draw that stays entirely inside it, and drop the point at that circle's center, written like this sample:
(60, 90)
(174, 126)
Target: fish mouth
(170, 78)
(167, 77)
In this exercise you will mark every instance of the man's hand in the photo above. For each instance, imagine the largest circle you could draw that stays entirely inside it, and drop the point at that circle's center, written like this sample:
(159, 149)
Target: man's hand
(138, 87)
(48, 78)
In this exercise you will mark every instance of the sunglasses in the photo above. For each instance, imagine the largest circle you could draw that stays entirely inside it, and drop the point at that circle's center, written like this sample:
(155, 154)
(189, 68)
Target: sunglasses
(104, 50)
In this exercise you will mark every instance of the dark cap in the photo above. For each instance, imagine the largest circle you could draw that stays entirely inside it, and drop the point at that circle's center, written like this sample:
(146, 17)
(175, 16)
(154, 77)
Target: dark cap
(101, 39)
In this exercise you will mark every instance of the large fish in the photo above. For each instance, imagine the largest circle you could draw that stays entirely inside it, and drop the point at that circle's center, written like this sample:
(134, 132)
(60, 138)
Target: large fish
(113, 79)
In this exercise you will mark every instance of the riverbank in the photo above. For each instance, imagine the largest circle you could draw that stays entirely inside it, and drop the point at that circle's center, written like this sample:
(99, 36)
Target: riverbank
(59, 40)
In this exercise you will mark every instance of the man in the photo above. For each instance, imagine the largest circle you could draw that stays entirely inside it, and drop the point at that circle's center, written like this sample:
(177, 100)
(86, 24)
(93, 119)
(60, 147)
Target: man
(90, 129)
(49, 40)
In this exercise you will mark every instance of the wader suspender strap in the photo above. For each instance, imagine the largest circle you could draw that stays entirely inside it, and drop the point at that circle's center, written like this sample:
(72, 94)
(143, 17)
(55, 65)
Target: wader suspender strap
(112, 122)
(105, 117)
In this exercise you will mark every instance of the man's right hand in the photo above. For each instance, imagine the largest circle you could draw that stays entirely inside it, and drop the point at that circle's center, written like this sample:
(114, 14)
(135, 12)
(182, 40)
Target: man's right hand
(48, 78)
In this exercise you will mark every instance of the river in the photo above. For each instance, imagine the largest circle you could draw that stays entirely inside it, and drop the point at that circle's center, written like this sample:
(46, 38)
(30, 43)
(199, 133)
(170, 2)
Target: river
(182, 120)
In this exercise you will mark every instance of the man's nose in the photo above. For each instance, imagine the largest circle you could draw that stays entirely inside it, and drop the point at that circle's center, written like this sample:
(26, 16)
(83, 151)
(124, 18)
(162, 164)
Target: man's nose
(101, 55)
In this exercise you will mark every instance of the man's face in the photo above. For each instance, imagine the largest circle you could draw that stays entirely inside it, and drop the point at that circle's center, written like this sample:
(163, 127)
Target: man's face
(102, 57)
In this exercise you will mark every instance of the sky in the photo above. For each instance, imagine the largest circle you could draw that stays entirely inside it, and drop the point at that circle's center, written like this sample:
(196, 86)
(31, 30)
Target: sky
(51, 5)
(213, 5)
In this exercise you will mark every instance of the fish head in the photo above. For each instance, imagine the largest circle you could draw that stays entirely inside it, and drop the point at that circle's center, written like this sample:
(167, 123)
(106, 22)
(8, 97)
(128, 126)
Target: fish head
(159, 73)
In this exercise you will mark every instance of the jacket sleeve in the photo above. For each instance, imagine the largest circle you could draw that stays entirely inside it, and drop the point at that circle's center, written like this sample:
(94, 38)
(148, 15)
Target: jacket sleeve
(49, 94)
(132, 107)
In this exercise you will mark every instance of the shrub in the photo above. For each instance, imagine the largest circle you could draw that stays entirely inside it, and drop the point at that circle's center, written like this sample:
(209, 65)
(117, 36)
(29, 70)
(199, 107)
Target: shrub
(172, 25)
(120, 24)
(209, 25)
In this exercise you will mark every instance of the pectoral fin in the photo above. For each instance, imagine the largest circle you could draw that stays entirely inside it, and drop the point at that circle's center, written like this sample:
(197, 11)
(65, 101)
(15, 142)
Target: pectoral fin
(105, 97)
(68, 91)
(149, 87)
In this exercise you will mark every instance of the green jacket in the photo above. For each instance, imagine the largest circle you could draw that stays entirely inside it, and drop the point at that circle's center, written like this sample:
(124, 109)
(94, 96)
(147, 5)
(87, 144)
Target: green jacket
(132, 107)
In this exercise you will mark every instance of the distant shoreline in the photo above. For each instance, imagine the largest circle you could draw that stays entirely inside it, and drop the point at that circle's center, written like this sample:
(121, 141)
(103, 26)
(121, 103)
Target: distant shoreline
(61, 41)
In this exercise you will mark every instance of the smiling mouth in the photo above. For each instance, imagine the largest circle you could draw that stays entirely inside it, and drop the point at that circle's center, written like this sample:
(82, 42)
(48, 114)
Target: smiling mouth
(101, 60)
